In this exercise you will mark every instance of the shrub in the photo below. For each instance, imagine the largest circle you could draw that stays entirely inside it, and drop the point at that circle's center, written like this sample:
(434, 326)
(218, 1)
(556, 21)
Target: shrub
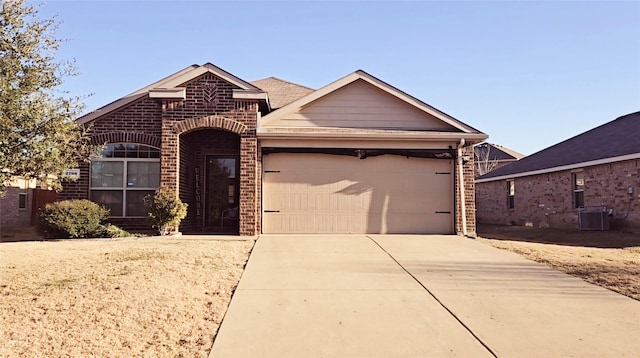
(166, 210)
(113, 231)
(74, 218)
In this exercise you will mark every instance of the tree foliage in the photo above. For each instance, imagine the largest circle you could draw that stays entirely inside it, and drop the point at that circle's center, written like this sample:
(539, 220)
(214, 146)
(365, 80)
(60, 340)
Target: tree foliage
(166, 210)
(39, 137)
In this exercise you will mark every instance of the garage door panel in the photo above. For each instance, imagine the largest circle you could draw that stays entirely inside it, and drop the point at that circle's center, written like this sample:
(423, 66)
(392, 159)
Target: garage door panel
(415, 224)
(408, 205)
(385, 194)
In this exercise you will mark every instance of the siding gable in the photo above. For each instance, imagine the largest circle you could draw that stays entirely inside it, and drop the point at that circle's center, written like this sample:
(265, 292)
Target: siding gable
(361, 105)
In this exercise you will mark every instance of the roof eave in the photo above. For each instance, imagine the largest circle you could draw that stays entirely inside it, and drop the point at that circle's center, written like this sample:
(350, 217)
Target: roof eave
(562, 167)
(242, 94)
(168, 93)
(404, 135)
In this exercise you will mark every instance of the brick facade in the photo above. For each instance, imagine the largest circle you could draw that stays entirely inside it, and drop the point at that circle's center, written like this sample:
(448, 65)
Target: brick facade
(10, 213)
(546, 200)
(172, 125)
(470, 203)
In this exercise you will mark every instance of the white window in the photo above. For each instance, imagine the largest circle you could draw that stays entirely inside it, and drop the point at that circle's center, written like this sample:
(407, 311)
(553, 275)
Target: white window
(578, 189)
(123, 176)
(511, 193)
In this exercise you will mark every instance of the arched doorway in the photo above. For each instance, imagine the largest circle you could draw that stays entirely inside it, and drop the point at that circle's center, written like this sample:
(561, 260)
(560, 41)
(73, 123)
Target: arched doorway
(210, 180)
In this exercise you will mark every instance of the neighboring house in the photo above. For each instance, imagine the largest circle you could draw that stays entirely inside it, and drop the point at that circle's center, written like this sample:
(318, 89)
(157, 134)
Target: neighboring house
(598, 168)
(21, 202)
(356, 156)
(489, 157)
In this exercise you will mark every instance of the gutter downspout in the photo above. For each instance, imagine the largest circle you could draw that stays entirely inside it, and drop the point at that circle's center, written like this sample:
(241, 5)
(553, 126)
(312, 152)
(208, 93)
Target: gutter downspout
(463, 205)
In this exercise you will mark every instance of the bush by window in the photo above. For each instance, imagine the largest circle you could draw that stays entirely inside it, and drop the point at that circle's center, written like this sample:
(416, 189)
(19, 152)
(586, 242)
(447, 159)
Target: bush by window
(74, 218)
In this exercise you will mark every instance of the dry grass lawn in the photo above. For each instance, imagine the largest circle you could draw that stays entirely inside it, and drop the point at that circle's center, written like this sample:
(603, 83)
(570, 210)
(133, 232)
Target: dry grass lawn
(161, 297)
(608, 259)
(151, 297)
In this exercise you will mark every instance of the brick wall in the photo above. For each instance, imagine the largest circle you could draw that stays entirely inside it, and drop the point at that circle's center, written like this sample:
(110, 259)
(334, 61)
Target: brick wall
(79, 188)
(546, 200)
(141, 116)
(470, 205)
(10, 214)
(191, 184)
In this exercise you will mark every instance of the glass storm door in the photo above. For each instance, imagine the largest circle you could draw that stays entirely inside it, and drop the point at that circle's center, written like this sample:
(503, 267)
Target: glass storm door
(222, 193)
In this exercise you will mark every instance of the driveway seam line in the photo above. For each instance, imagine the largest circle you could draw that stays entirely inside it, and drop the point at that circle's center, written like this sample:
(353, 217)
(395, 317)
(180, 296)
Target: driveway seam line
(435, 298)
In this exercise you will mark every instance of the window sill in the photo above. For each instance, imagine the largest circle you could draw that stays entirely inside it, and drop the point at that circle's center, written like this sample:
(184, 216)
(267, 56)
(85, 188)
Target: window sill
(128, 217)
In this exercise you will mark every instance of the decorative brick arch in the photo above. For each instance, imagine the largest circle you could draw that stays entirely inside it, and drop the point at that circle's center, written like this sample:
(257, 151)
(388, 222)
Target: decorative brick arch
(126, 137)
(215, 122)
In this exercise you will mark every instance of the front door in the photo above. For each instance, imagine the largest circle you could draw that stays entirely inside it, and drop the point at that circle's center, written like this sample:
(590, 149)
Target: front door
(222, 194)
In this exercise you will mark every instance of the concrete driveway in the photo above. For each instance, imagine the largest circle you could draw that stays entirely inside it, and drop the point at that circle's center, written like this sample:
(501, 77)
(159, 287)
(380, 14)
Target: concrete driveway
(416, 296)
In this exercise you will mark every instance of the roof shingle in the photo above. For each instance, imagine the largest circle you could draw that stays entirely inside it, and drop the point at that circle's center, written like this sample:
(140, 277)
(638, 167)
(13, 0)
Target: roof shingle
(281, 92)
(613, 139)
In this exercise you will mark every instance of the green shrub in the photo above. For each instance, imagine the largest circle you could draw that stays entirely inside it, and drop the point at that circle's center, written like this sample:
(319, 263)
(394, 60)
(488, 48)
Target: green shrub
(113, 231)
(74, 218)
(166, 210)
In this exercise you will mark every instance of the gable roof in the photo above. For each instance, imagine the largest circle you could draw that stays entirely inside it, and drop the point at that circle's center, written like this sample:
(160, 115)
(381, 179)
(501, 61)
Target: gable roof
(497, 152)
(170, 82)
(613, 141)
(281, 92)
(359, 75)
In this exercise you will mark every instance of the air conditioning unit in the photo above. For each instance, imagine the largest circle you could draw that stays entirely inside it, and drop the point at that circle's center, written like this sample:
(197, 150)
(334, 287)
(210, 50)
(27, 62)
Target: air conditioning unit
(593, 218)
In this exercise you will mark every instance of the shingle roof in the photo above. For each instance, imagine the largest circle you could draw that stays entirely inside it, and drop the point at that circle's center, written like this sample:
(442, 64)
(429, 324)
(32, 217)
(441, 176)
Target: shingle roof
(613, 139)
(497, 152)
(281, 92)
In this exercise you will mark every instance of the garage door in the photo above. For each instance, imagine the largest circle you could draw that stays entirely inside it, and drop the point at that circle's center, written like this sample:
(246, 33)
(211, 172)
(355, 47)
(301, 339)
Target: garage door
(321, 193)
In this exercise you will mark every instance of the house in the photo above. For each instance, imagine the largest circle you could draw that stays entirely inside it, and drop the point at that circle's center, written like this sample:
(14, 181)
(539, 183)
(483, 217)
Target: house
(489, 157)
(21, 202)
(355, 156)
(597, 170)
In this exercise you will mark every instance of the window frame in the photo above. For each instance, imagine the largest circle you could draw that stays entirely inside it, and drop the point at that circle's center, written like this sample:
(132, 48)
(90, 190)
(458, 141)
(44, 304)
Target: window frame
(511, 194)
(124, 188)
(578, 190)
(23, 198)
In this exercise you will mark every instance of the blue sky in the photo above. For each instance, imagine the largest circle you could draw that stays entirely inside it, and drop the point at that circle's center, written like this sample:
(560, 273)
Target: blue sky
(529, 74)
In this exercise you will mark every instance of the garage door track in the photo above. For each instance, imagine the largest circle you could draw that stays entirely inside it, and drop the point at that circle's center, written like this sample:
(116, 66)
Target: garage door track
(416, 296)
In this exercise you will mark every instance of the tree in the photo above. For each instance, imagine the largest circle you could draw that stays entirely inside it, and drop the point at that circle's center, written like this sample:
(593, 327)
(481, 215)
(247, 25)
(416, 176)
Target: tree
(484, 163)
(39, 138)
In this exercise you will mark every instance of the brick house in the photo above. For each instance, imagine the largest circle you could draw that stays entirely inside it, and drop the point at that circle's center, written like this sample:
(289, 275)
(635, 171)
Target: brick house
(21, 202)
(15, 206)
(357, 155)
(599, 168)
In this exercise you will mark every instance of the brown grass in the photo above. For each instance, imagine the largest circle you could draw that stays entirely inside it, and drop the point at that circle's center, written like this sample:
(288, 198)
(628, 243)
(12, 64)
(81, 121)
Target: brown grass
(116, 298)
(608, 259)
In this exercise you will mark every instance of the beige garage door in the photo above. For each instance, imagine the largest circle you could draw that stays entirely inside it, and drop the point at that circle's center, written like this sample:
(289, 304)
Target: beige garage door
(321, 193)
